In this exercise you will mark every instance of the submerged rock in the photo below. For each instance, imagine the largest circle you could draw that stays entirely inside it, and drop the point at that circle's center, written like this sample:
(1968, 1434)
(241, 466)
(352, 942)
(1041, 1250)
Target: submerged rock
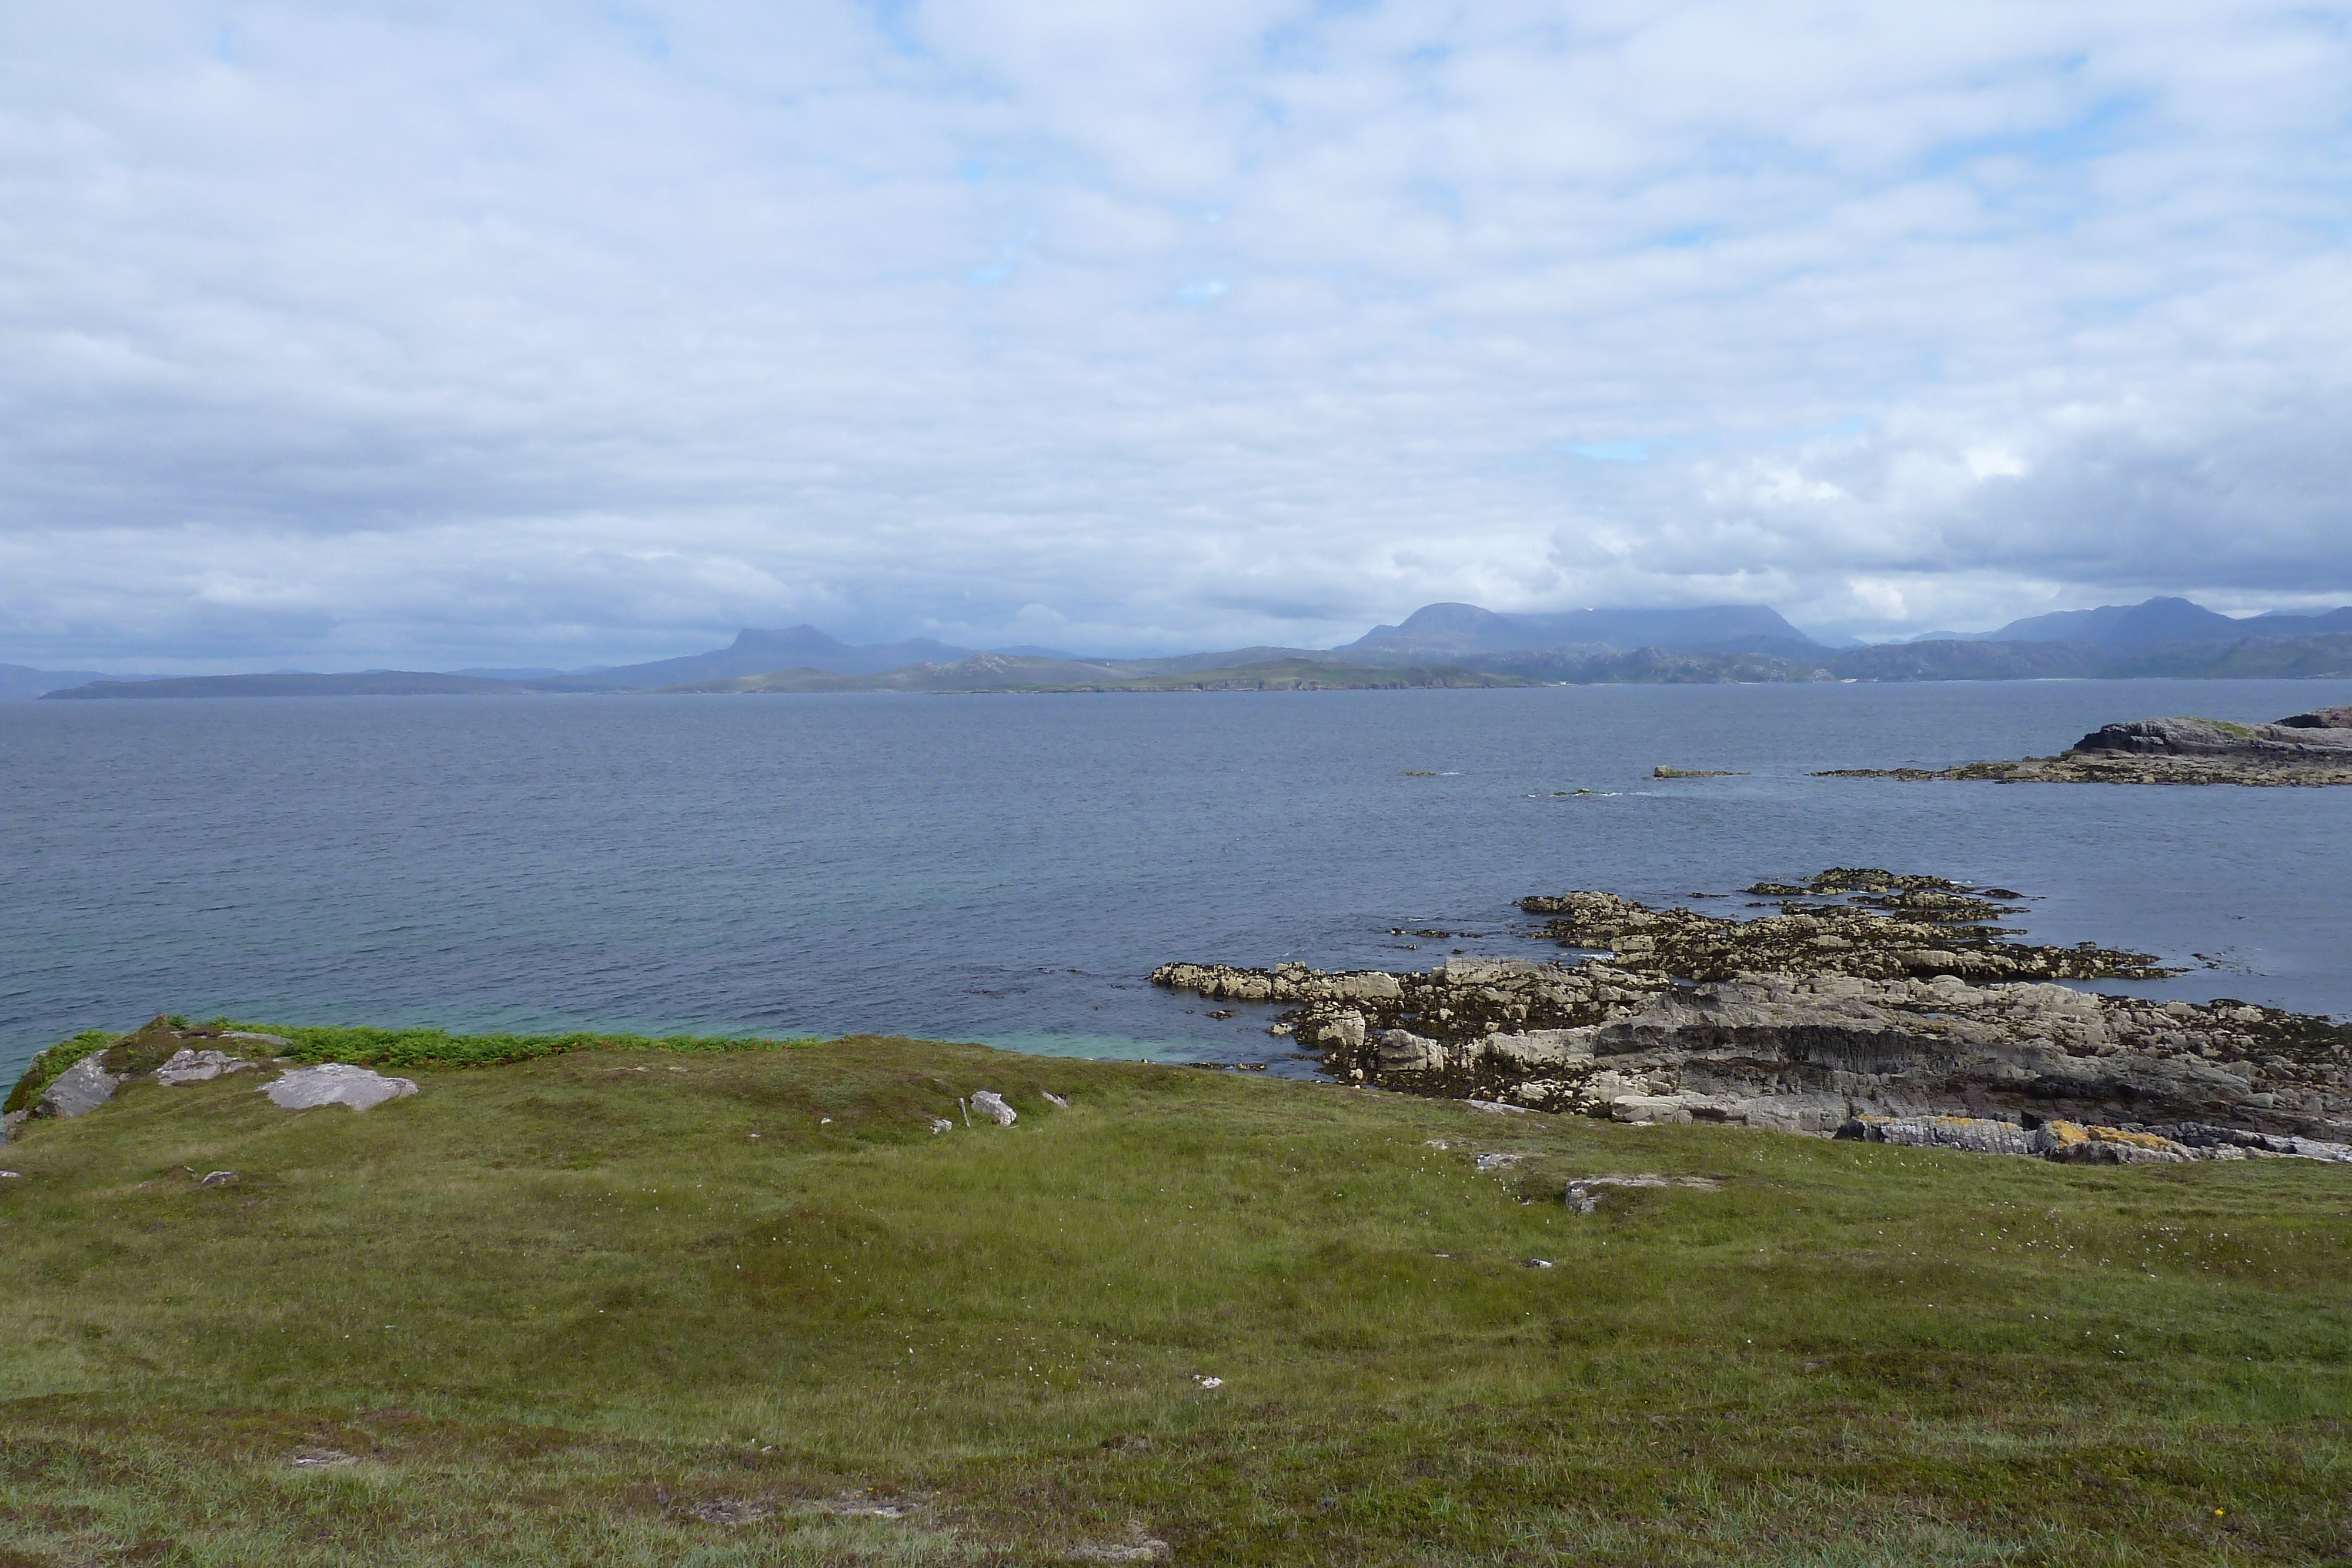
(335, 1084)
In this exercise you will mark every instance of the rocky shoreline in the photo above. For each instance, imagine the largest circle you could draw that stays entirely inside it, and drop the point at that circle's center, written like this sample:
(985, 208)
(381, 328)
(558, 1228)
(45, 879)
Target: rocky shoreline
(2304, 749)
(1873, 1005)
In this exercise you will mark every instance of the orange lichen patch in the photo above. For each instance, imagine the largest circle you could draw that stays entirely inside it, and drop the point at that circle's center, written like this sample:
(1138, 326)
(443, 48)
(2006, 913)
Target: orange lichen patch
(2149, 1141)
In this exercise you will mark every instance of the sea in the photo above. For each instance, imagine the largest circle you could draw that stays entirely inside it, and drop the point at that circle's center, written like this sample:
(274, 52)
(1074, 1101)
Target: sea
(1010, 869)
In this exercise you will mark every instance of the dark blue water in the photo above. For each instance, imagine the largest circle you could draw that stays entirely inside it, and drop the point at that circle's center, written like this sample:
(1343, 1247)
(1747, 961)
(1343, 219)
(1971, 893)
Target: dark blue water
(1009, 869)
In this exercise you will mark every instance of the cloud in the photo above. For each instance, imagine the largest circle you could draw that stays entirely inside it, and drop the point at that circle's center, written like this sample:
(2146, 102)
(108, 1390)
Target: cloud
(508, 333)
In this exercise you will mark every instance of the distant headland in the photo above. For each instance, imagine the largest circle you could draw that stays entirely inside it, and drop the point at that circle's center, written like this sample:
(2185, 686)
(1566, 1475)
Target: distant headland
(1439, 646)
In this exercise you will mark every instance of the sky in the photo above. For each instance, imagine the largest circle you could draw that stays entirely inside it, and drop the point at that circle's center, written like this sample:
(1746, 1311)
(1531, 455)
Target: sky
(426, 336)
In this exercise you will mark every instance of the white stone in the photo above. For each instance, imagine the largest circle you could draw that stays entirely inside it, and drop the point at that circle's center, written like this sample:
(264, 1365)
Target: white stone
(991, 1103)
(79, 1089)
(334, 1083)
(1401, 1051)
(197, 1067)
(1346, 1032)
(1540, 1047)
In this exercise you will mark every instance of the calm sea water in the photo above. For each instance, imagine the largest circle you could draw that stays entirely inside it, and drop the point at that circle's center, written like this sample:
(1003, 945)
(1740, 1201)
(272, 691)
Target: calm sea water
(1009, 869)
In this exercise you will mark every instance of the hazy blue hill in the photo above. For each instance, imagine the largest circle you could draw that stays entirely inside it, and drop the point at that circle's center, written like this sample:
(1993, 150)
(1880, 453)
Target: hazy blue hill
(2242, 658)
(755, 651)
(2282, 624)
(980, 672)
(2152, 622)
(21, 683)
(365, 684)
(1458, 628)
(1185, 664)
(1000, 671)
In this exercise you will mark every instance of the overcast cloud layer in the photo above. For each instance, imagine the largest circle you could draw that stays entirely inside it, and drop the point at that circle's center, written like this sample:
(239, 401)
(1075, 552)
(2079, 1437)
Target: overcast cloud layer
(505, 333)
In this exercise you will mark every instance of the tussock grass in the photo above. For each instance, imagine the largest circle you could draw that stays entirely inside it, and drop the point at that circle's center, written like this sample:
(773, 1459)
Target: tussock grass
(552, 1306)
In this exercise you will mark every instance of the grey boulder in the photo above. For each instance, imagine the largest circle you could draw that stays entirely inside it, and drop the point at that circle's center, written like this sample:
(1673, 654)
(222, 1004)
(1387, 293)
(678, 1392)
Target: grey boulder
(988, 1103)
(83, 1087)
(334, 1083)
(197, 1067)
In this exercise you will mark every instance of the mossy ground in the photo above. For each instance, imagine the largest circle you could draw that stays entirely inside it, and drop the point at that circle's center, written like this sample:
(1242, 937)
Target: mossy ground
(552, 1306)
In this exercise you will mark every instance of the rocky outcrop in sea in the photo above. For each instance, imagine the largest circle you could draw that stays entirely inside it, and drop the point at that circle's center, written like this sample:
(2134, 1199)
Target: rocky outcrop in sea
(1873, 1005)
(2304, 749)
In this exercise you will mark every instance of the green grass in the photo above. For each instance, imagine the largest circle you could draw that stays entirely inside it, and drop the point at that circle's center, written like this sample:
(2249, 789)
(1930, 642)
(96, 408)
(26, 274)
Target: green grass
(553, 1306)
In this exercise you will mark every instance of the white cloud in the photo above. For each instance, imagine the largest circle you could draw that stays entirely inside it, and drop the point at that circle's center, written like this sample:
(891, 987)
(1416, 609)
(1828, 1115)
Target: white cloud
(511, 334)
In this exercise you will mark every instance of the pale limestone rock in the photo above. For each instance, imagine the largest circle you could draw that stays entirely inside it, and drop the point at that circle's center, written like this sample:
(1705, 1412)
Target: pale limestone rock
(198, 1067)
(79, 1089)
(1345, 1031)
(1540, 1048)
(335, 1084)
(1976, 1134)
(1401, 1051)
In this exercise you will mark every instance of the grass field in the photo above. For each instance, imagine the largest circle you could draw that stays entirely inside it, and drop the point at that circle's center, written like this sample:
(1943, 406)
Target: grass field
(560, 1309)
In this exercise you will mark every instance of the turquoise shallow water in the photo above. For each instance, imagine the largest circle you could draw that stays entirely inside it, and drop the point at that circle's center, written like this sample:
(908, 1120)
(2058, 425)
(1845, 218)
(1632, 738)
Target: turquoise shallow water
(1009, 869)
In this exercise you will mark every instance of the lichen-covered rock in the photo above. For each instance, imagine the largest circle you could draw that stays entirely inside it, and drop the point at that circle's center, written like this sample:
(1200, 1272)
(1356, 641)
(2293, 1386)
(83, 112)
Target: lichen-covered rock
(1922, 1008)
(991, 1104)
(335, 1084)
(1976, 1134)
(187, 1066)
(2074, 1144)
(79, 1089)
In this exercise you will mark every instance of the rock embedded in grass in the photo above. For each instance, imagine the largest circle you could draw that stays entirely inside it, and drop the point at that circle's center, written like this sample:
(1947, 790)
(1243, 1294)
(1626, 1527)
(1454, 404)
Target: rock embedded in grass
(188, 1066)
(335, 1084)
(733, 1511)
(989, 1104)
(1583, 1193)
(79, 1089)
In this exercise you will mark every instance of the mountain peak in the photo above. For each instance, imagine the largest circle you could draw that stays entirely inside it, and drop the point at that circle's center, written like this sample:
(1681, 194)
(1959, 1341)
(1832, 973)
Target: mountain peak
(1451, 628)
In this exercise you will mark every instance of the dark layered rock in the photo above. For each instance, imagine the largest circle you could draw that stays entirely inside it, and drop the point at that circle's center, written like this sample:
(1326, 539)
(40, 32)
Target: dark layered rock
(1918, 1009)
(2304, 749)
(2216, 738)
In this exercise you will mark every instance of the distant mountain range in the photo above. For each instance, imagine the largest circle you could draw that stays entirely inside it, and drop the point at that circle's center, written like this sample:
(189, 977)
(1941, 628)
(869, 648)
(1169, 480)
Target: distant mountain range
(1709, 643)
(18, 682)
(1447, 629)
(2150, 624)
(756, 652)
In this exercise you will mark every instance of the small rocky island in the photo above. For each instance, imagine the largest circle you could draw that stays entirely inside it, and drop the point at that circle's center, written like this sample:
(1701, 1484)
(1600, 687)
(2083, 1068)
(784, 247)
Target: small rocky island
(1875, 1006)
(2313, 748)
